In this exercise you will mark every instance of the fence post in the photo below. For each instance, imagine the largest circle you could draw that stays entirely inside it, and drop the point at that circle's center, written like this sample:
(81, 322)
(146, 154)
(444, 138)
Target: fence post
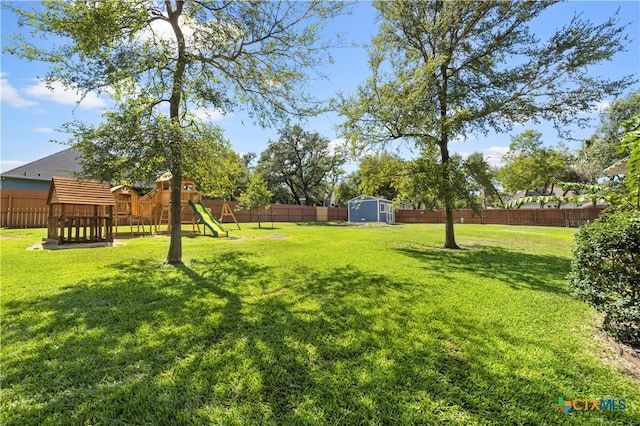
(10, 212)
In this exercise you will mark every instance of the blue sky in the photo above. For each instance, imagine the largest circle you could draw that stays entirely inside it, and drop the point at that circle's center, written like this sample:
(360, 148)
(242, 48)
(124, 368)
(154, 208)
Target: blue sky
(31, 113)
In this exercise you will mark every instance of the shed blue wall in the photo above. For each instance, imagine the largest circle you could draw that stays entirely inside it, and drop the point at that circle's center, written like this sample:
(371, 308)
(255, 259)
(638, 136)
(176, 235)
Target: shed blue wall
(363, 211)
(367, 209)
(383, 216)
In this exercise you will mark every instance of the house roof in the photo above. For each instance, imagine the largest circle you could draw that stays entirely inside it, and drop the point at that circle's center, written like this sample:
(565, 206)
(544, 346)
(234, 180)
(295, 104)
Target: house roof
(557, 191)
(617, 168)
(64, 163)
(65, 190)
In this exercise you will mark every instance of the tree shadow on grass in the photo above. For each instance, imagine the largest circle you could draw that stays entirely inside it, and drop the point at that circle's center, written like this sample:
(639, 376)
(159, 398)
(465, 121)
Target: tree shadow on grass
(227, 340)
(516, 269)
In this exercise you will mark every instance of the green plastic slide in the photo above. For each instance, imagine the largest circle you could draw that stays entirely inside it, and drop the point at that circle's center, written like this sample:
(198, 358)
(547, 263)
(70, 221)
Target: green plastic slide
(207, 219)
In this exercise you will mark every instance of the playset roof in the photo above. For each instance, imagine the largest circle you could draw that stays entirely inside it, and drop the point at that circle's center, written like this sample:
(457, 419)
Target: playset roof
(65, 190)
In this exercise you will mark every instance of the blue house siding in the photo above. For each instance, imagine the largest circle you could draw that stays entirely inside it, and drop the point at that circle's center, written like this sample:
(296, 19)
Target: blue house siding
(8, 183)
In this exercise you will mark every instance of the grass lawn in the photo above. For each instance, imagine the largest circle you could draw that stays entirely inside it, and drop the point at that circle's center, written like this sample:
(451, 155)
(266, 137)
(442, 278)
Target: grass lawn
(303, 324)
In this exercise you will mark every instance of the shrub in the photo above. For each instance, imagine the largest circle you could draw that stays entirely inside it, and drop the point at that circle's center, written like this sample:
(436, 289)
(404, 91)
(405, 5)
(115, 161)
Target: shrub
(606, 272)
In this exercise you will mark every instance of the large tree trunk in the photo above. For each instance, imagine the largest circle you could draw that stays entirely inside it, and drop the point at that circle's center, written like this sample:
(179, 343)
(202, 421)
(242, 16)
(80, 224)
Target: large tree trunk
(175, 246)
(449, 237)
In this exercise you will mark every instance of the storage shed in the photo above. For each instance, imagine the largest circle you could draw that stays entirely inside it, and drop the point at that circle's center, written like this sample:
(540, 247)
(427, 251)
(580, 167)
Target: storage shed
(365, 208)
(80, 211)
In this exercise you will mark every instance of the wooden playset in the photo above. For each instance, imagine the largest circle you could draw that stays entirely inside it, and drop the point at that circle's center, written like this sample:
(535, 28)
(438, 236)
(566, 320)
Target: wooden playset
(160, 200)
(80, 211)
(154, 208)
(132, 210)
(89, 211)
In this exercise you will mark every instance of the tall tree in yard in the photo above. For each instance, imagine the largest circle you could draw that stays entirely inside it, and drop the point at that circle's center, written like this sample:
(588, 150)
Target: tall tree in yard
(159, 60)
(256, 195)
(444, 69)
(303, 163)
(530, 165)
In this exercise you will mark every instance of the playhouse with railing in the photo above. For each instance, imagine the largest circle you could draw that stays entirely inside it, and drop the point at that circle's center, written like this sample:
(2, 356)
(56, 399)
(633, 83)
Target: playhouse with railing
(80, 211)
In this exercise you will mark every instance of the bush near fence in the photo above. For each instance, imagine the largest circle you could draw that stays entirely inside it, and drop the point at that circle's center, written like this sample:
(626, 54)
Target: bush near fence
(28, 209)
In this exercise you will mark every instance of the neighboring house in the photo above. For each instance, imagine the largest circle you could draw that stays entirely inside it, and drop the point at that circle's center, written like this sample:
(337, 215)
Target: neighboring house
(370, 209)
(37, 175)
(619, 168)
(557, 191)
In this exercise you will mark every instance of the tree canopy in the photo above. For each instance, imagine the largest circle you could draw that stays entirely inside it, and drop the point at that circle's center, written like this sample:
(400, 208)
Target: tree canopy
(600, 150)
(442, 70)
(378, 174)
(303, 164)
(256, 195)
(530, 165)
(484, 178)
(162, 61)
(631, 145)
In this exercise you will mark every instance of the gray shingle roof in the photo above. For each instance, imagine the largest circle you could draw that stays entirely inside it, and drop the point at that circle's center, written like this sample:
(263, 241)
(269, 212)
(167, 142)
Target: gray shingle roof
(63, 163)
(617, 168)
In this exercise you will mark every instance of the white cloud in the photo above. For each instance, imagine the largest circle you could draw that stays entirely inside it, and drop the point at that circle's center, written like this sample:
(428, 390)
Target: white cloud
(601, 106)
(65, 96)
(43, 130)
(337, 145)
(494, 155)
(11, 96)
(209, 114)
(6, 165)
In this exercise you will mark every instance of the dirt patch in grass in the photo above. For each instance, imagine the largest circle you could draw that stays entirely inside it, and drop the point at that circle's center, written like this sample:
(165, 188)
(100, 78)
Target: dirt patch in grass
(624, 356)
(255, 237)
(276, 236)
(45, 245)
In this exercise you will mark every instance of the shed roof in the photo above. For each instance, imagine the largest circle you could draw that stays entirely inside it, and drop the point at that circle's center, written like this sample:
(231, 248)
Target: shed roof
(369, 198)
(66, 190)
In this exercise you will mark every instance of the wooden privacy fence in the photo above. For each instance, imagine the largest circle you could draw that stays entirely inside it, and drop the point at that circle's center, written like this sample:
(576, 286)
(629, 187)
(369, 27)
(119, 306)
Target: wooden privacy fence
(277, 213)
(23, 209)
(535, 217)
(36, 217)
(27, 209)
(24, 218)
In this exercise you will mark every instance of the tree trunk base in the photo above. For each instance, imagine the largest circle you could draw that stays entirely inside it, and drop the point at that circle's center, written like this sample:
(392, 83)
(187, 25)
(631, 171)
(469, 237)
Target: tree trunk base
(454, 246)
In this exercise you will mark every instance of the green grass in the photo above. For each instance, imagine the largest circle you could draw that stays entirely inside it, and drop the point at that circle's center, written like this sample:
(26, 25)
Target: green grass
(303, 325)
